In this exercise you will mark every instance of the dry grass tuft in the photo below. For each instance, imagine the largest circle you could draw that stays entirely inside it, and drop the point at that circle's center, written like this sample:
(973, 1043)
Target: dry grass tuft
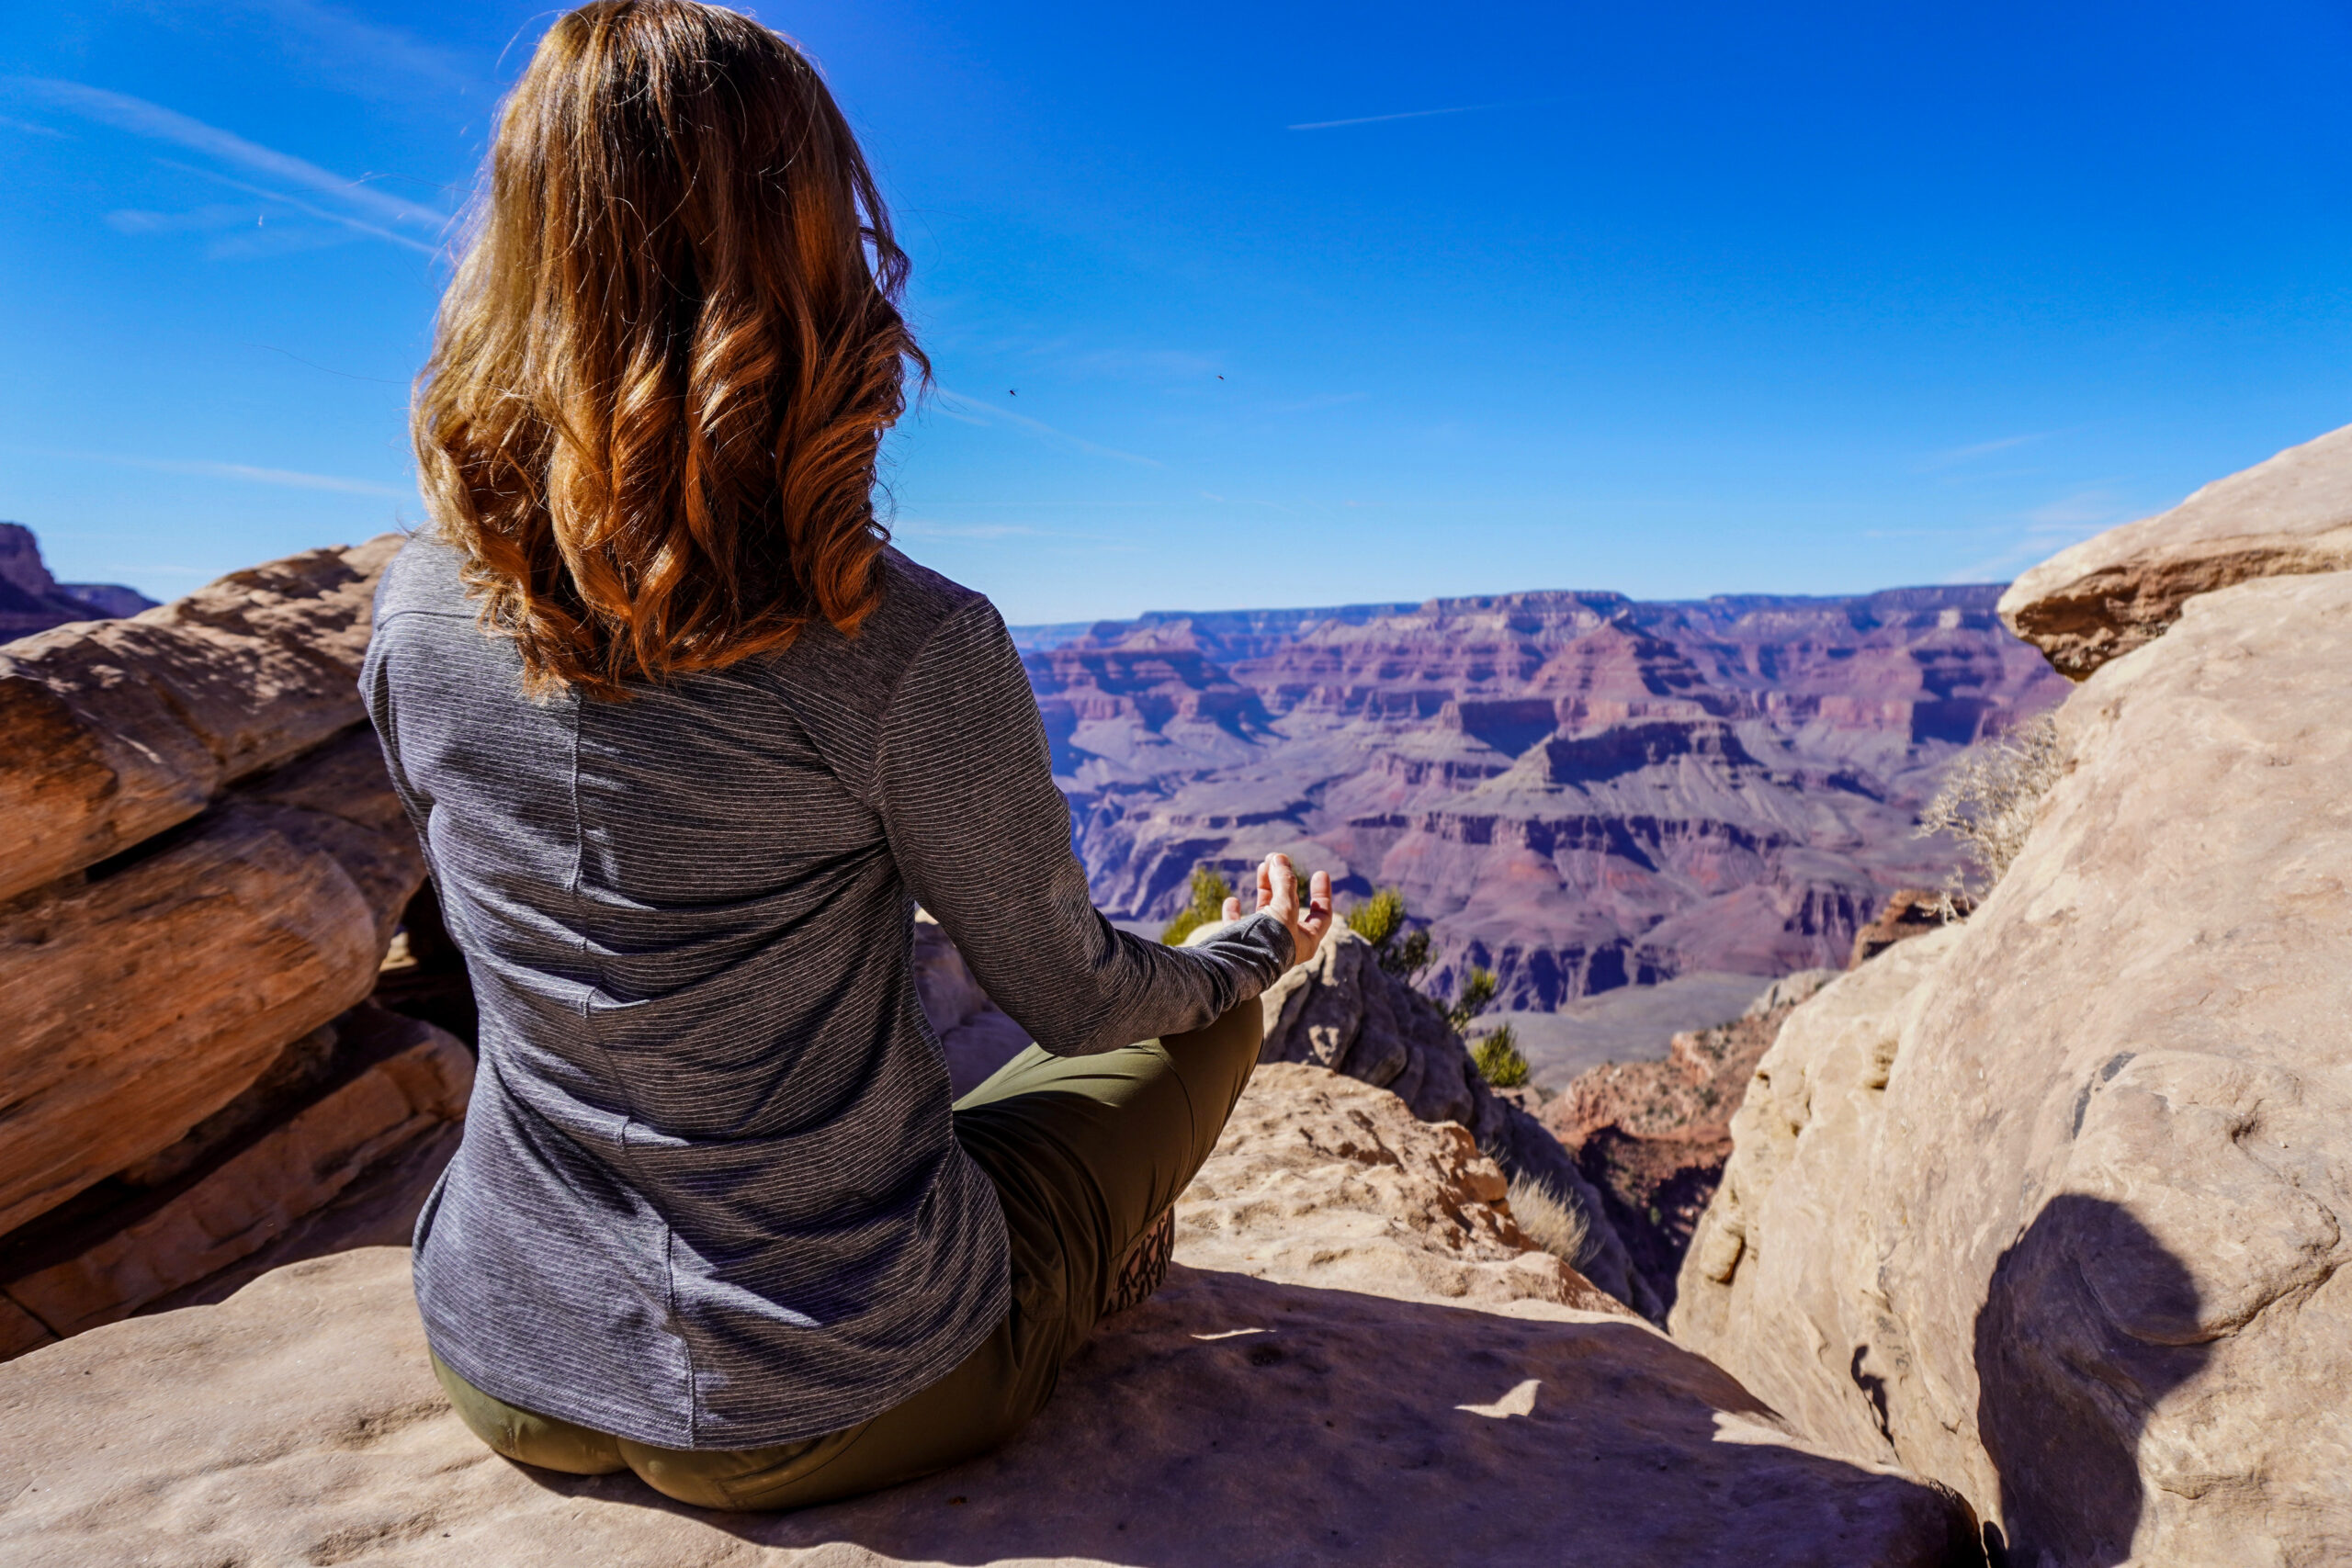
(1553, 1223)
(1989, 802)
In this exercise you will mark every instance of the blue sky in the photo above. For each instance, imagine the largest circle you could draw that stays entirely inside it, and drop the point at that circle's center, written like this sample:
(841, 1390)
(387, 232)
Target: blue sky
(1273, 304)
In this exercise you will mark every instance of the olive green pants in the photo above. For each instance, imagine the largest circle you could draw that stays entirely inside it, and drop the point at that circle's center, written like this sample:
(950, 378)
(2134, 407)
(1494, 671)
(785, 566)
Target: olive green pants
(1087, 1152)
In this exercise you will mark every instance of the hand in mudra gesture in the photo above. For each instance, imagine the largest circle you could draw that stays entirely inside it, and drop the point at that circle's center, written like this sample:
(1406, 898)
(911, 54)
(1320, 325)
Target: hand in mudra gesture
(1278, 893)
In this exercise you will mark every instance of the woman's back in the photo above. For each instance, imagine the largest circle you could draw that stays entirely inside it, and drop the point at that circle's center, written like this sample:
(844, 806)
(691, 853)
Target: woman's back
(690, 942)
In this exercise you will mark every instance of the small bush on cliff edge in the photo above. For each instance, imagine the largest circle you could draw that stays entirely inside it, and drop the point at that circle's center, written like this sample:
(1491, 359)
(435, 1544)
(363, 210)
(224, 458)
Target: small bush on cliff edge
(1379, 920)
(1498, 1059)
(1989, 801)
(1210, 890)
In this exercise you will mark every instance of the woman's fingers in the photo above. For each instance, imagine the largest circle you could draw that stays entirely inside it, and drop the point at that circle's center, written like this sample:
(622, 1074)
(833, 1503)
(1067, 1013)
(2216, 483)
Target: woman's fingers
(1318, 918)
(1278, 887)
(1232, 908)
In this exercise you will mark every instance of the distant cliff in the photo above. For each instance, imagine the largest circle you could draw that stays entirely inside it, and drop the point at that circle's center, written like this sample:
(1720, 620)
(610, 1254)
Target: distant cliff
(32, 601)
(1578, 790)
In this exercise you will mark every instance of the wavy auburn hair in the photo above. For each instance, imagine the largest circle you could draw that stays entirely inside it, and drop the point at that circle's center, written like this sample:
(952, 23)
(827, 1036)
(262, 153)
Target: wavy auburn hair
(661, 374)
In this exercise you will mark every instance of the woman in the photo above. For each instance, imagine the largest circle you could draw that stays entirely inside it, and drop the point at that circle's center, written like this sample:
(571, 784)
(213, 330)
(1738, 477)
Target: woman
(685, 742)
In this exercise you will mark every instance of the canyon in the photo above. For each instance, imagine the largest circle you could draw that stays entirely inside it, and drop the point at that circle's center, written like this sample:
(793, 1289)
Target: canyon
(2029, 1244)
(1576, 791)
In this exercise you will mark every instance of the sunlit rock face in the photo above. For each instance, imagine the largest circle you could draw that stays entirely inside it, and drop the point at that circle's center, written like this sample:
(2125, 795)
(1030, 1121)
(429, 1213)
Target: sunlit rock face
(2056, 1205)
(1578, 791)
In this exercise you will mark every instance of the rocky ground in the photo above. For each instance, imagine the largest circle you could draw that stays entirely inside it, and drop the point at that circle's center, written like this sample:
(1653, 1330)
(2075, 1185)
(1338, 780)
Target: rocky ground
(1357, 1358)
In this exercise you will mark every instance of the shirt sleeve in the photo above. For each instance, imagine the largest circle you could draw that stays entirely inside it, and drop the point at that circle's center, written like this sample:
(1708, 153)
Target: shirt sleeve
(964, 780)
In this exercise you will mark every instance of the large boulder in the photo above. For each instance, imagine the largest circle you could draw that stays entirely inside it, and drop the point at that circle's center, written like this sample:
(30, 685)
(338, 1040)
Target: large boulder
(1270, 1405)
(2055, 1207)
(114, 730)
(2288, 515)
(142, 1000)
(376, 1084)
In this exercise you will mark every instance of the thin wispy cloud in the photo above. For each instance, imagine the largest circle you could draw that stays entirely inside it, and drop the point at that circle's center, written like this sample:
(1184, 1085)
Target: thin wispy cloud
(1405, 113)
(2046, 529)
(972, 410)
(356, 225)
(1984, 449)
(156, 123)
(247, 473)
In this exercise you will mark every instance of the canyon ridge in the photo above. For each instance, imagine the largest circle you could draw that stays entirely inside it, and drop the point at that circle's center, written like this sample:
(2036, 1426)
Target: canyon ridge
(1577, 790)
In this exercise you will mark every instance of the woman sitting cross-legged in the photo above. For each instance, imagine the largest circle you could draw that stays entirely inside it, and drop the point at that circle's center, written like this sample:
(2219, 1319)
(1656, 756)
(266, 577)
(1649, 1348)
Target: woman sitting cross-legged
(685, 742)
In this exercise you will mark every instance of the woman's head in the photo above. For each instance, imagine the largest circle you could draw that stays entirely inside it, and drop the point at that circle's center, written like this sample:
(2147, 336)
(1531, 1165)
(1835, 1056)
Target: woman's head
(662, 373)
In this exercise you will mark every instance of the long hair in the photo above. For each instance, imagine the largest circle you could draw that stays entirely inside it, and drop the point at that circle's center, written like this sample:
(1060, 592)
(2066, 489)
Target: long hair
(661, 374)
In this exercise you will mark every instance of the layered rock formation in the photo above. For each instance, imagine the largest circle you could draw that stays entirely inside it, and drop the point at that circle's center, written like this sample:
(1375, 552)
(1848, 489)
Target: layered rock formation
(1354, 1359)
(32, 601)
(2054, 1206)
(207, 867)
(1576, 789)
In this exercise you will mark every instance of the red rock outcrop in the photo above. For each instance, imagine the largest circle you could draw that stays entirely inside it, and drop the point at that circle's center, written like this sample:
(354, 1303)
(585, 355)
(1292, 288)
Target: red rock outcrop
(1652, 1137)
(32, 601)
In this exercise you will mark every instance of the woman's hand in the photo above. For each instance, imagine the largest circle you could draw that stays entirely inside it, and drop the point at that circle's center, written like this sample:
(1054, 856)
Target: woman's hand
(1278, 894)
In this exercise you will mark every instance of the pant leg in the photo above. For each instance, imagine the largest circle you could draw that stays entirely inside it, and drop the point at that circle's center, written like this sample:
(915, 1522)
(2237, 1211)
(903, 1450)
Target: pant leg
(1086, 1152)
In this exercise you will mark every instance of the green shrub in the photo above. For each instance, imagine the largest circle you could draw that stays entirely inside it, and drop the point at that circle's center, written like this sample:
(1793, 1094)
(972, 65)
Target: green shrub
(1210, 890)
(1379, 918)
(1476, 992)
(1498, 1059)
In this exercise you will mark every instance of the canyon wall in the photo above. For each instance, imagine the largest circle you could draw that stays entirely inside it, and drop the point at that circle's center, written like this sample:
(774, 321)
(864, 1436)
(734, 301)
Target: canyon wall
(2054, 1206)
(1576, 791)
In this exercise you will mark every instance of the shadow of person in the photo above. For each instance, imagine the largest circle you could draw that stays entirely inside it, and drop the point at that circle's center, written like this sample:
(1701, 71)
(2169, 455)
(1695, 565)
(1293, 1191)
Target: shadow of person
(1232, 1422)
(2088, 1322)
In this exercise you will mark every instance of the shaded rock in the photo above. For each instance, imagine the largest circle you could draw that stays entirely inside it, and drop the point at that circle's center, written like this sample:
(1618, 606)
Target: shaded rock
(1652, 1137)
(2081, 1256)
(973, 1033)
(1909, 912)
(146, 998)
(1229, 1422)
(1342, 1012)
(392, 1081)
(112, 731)
(2285, 516)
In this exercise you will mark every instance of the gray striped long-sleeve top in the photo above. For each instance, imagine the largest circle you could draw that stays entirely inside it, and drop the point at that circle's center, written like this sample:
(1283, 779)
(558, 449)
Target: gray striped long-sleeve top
(708, 1194)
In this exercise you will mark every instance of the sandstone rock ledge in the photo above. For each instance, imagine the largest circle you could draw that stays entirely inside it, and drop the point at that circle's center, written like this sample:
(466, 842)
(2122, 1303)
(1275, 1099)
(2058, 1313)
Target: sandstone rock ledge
(1232, 1420)
(2056, 1205)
